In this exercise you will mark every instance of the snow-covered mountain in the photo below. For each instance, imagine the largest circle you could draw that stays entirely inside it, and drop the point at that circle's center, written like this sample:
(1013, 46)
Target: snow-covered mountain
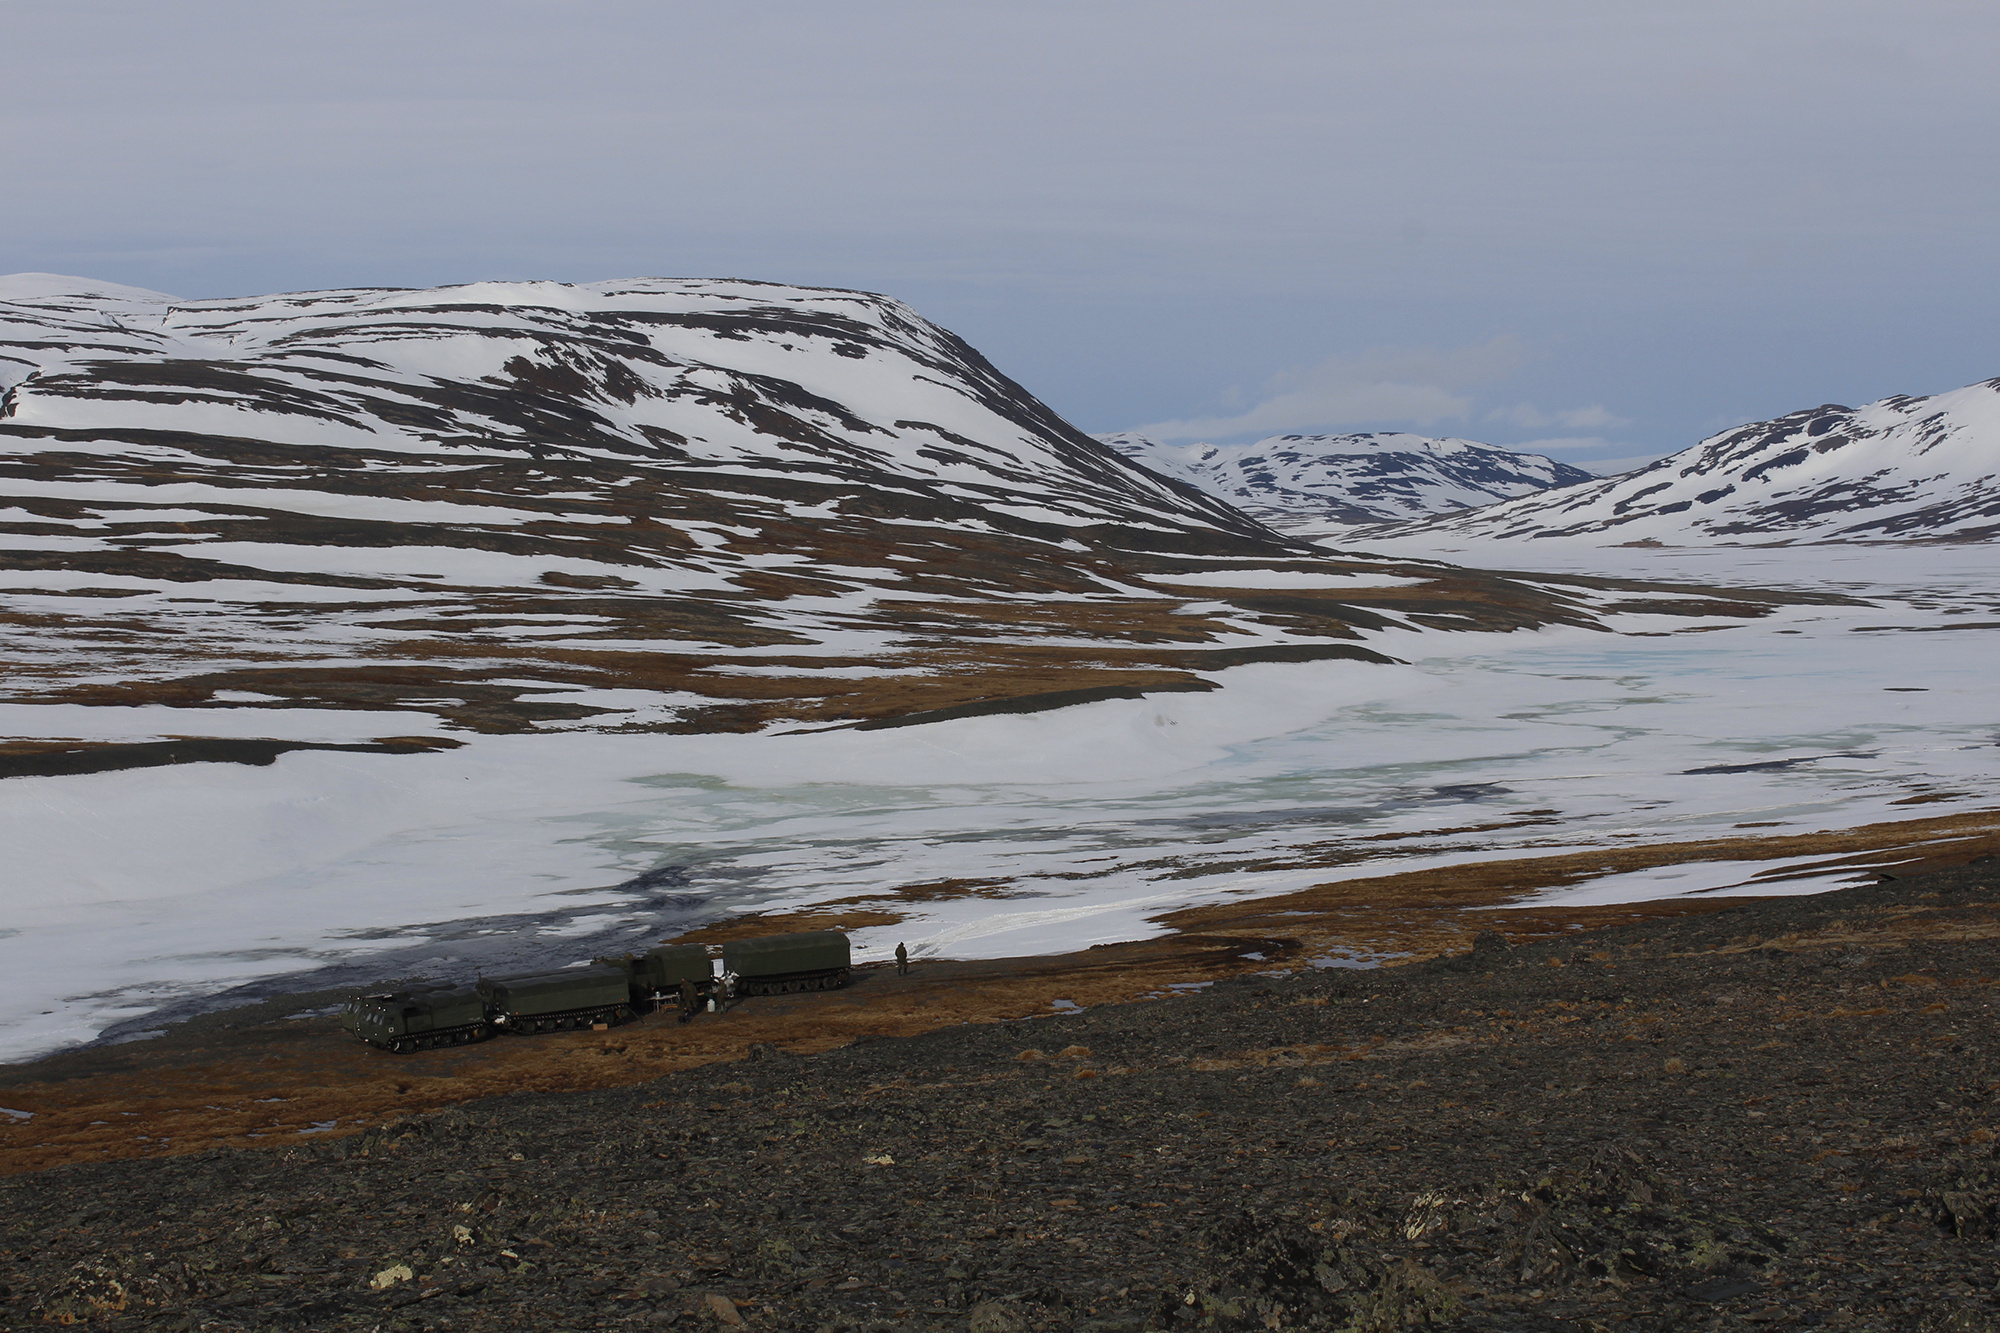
(1901, 469)
(654, 505)
(808, 385)
(1292, 481)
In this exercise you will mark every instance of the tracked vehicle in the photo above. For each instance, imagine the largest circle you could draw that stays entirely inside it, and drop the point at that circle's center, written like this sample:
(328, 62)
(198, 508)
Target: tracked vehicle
(578, 997)
(658, 973)
(417, 1020)
(611, 990)
(784, 964)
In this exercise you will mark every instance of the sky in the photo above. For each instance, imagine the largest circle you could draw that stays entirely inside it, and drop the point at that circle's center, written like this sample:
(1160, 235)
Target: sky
(1600, 230)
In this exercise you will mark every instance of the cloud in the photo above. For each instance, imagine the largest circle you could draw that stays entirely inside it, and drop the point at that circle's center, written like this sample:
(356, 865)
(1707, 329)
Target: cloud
(1592, 453)
(1567, 444)
(1420, 386)
(1529, 417)
(1612, 467)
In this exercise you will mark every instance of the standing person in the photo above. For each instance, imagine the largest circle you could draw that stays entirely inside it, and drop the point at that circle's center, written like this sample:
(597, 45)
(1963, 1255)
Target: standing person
(902, 961)
(690, 1001)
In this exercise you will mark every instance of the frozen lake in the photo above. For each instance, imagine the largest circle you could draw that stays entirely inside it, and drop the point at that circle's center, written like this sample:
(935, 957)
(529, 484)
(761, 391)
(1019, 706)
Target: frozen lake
(130, 894)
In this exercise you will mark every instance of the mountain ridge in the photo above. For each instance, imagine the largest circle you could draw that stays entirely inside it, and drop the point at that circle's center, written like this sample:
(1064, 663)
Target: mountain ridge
(1296, 480)
(589, 355)
(1903, 468)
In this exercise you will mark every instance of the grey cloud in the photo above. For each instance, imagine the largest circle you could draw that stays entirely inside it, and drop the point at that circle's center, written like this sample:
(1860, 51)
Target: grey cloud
(1129, 204)
(1529, 417)
(1418, 386)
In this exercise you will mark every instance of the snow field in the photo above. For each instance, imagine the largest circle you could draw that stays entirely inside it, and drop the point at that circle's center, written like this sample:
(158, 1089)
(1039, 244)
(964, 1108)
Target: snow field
(130, 890)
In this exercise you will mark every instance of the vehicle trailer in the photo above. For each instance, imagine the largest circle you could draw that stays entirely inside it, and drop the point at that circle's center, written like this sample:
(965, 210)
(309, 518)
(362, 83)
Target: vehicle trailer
(577, 997)
(657, 974)
(417, 1020)
(783, 964)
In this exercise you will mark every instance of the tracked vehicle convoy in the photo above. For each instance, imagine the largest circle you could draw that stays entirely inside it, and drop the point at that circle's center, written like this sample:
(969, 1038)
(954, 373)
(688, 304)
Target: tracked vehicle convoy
(783, 964)
(609, 991)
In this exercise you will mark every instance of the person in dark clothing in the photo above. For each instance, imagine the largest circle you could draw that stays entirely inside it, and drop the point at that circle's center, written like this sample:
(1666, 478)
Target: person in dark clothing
(690, 1001)
(902, 961)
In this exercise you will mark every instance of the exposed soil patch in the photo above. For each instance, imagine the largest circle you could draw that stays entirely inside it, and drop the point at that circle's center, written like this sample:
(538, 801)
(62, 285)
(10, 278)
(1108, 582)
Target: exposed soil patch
(41, 759)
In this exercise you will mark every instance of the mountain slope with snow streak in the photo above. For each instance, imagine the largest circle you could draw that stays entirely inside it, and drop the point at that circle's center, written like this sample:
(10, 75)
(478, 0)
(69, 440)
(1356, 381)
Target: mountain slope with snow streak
(361, 516)
(1902, 469)
(1293, 481)
(808, 384)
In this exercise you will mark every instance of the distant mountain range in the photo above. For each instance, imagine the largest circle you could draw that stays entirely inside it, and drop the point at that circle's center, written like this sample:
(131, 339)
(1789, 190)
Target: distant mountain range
(1293, 481)
(647, 505)
(1903, 468)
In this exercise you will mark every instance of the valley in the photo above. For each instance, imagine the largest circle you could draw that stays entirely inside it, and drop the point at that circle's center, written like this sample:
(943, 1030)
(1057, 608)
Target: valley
(374, 635)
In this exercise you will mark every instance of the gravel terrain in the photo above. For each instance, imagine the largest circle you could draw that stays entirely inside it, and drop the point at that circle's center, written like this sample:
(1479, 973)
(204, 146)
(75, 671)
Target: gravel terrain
(1775, 1115)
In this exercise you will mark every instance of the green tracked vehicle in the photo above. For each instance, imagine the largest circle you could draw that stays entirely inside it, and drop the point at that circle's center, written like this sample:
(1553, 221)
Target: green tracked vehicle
(611, 990)
(658, 973)
(417, 1020)
(577, 997)
(784, 964)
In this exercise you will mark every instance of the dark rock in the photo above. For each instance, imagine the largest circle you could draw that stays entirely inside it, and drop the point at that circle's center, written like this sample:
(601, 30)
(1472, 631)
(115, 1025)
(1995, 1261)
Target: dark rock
(996, 1317)
(1722, 1289)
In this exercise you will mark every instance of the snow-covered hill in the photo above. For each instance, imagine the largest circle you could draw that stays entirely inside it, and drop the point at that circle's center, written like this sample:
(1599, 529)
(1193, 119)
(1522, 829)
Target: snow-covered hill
(1901, 469)
(808, 385)
(653, 505)
(1292, 481)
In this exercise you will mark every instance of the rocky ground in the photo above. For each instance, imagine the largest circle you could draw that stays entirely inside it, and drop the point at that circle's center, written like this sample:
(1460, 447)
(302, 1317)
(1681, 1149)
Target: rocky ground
(1778, 1115)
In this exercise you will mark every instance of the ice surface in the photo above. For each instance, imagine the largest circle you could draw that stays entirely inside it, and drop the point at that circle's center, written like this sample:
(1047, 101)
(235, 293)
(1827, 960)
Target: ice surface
(161, 885)
(1717, 879)
(151, 722)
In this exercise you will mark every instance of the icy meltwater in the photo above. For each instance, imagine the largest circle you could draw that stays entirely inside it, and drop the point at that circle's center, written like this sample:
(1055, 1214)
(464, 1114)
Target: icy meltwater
(133, 896)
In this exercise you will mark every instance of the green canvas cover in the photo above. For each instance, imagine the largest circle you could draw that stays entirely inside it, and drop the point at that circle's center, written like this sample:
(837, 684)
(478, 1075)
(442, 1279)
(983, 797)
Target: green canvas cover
(782, 955)
(451, 1007)
(553, 992)
(663, 968)
(666, 967)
